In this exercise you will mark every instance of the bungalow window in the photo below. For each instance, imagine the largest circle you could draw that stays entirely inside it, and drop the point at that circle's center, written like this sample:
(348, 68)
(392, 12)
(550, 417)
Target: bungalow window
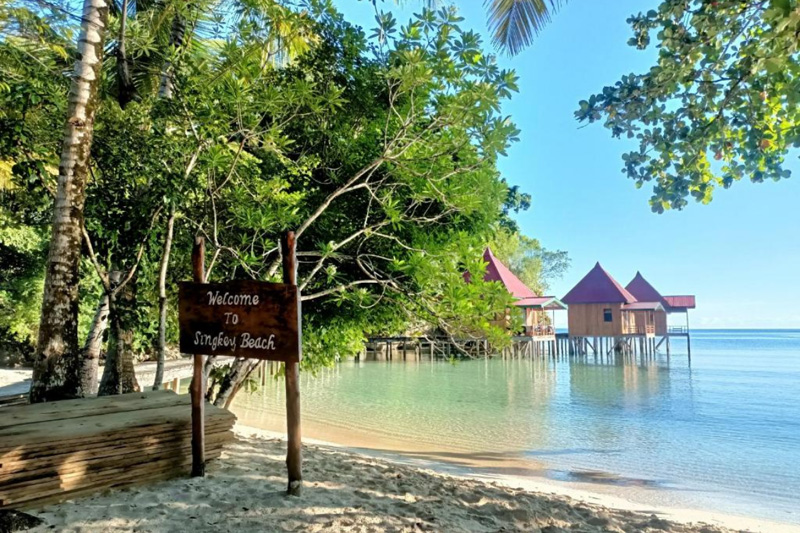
(607, 317)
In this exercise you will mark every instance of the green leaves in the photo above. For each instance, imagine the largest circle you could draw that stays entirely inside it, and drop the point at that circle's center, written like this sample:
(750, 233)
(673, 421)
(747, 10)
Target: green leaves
(384, 153)
(515, 23)
(719, 105)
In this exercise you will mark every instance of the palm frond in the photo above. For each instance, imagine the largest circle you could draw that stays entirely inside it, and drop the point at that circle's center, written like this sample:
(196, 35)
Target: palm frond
(515, 23)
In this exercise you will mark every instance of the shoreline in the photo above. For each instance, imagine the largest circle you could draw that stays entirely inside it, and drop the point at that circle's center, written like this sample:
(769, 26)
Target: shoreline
(245, 492)
(546, 487)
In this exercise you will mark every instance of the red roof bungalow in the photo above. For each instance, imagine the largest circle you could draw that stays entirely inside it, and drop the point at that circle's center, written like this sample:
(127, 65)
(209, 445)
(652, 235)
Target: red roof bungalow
(601, 307)
(533, 306)
(640, 288)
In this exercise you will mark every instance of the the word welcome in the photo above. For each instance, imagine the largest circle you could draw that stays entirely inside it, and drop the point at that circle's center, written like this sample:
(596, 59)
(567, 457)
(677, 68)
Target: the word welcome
(218, 298)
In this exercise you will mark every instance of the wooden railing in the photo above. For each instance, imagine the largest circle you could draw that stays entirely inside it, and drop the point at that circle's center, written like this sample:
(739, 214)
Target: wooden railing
(649, 329)
(539, 331)
(678, 330)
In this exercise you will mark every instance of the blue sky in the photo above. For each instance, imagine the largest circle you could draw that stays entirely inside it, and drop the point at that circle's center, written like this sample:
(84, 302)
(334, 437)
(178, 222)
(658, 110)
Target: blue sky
(740, 254)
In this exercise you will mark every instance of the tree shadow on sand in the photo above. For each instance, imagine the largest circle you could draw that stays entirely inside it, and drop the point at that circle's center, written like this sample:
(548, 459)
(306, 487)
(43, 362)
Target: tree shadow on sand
(245, 491)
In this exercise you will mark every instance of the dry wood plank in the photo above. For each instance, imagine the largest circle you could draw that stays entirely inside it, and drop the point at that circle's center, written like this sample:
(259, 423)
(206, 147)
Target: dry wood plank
(118, 483)
(80, 456)
(11, 459)
(51, 452)
(27, 455)
(88, 471)
(36, 464)
(177, 467)
(52, 449)
(66, 409)
(45, 446)
(100, 476)
(182, 466)
(78, 428)
(72, 426)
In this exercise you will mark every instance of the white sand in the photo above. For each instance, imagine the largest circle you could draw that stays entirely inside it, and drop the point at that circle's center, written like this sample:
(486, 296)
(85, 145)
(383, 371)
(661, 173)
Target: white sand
(344, 491)
(10, 376)
(14, 381)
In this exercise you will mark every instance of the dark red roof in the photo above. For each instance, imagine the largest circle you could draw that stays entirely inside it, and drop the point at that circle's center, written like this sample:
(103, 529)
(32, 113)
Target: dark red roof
(680, 302)
(497, 271)
(598, 287)
(641, 289)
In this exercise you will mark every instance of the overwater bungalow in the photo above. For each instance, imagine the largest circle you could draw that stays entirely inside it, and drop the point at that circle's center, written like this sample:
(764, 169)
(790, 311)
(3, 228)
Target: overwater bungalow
(603, 315)
(642, 290)
(535, 308)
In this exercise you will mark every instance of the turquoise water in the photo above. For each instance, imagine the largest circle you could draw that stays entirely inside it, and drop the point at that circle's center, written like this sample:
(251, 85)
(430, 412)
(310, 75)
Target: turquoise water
(722, 432)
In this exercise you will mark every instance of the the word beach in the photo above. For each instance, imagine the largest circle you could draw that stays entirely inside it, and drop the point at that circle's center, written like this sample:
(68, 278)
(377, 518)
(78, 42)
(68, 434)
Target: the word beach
(241, 318)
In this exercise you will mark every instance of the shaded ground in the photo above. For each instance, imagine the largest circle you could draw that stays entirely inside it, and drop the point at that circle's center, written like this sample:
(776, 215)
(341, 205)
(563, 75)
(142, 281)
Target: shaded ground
(244, 492)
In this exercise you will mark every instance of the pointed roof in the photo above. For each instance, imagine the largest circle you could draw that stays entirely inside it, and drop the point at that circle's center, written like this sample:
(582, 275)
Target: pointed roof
(641, 289)
(497, 271)
(598, 287)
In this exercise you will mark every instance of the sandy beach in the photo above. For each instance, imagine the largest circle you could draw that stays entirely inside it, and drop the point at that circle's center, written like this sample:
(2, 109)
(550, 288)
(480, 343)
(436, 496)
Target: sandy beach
(15, 377)
(344, 491)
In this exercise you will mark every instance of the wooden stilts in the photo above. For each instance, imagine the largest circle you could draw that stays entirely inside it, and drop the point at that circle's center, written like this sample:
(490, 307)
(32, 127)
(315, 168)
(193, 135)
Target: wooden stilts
(688, 339)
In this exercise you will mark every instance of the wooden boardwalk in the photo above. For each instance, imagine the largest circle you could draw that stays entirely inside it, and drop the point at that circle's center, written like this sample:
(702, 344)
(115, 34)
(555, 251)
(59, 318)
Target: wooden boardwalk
(174, 371)
(53, 451)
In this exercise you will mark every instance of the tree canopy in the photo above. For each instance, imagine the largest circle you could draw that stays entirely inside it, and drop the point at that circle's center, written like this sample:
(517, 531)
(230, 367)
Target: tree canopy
(534, 265)
(719, 105)
(379, 151)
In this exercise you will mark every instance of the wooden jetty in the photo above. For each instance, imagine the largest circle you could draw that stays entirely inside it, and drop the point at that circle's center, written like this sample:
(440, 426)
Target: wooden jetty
(423, 347)
(53, 451)
(442, 347)
(175, 371)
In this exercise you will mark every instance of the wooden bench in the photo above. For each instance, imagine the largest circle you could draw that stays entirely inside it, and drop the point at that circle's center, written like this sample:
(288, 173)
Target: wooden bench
(54, 451)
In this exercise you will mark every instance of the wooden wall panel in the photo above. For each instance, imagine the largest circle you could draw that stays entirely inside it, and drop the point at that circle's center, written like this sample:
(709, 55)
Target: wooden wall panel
(661, 323)
(586, 320)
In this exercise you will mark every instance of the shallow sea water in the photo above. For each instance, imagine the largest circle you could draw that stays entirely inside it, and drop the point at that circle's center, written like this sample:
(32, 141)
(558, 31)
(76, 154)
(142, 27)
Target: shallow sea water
(720, 433)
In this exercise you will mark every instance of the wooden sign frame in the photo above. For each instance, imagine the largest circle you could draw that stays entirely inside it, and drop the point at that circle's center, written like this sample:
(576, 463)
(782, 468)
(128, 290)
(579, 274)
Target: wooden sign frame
(247, 318)
(278, 314)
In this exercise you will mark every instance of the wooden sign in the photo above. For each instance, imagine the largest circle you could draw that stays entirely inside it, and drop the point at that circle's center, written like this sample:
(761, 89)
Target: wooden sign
(251, 319)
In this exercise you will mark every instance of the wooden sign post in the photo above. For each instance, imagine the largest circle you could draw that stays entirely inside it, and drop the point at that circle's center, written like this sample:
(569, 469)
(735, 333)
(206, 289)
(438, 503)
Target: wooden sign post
(249, 319)
(197, 389)
(294, 457)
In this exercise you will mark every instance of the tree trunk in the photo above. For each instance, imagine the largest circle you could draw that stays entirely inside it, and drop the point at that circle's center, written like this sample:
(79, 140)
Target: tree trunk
(57, 366)
(167, 72)
(251, 366)
(118, 373)
(90, 355)
(126, 91)
(238, 372)
(162, 303)
(209, 366)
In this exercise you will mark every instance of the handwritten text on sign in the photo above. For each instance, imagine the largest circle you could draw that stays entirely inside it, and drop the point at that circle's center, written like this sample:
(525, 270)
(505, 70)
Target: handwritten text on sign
(241, 318)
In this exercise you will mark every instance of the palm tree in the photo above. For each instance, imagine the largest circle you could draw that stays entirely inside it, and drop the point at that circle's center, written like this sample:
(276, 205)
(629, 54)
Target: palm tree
(55, 373)
(59, 370)
(515, 23)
